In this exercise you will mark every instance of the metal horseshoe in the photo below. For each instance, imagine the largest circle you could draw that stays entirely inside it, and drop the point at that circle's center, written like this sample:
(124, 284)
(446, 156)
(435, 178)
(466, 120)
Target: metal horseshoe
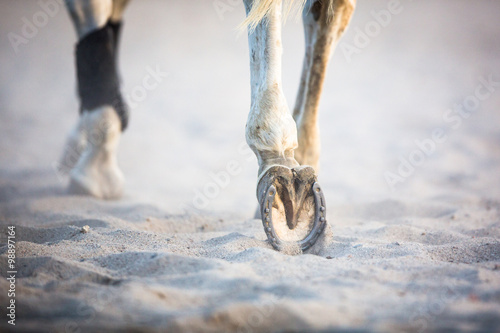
(319, 219)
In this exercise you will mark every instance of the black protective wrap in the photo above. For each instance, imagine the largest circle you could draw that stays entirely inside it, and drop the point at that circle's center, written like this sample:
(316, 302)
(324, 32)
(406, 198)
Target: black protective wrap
(98, 82)
(116, 28)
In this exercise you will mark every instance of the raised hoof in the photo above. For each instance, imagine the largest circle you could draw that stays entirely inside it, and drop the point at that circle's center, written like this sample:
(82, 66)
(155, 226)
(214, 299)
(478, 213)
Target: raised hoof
(292, 207)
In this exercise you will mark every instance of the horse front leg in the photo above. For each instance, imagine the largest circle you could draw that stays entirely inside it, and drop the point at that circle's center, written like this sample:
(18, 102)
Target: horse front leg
(292, 206)
(90, 153)
(324, 23)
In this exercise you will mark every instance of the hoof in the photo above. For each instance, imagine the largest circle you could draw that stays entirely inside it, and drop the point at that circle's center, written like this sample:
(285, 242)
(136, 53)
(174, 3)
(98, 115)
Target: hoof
(96, 173)
(292, 206)
(103, 182)
(74, 147)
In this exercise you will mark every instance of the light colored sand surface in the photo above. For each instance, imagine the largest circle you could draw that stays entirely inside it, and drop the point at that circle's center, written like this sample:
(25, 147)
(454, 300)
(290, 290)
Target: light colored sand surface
(422, 256)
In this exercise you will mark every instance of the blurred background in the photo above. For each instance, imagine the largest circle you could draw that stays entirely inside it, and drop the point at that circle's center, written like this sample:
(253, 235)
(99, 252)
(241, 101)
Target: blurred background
(391, 82)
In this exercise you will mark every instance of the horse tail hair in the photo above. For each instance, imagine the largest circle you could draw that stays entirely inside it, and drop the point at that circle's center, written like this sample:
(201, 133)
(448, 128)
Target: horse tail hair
(260, 9)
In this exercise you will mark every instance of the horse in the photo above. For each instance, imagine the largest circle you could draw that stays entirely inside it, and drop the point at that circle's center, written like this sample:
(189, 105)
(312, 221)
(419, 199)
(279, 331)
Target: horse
(287, 146)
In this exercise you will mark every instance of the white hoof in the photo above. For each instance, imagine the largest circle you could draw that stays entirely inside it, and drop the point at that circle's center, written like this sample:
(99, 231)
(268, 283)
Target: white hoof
(96, 173)
(75, 144)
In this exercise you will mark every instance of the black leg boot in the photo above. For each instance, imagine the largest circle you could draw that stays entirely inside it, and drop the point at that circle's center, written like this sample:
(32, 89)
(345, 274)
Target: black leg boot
(98, 82)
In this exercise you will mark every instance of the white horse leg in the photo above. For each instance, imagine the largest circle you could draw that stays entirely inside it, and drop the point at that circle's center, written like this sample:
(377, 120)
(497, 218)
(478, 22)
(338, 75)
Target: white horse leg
(270, 131)
(89, 15)
(90, 154)
(284, 188)
(322, 29)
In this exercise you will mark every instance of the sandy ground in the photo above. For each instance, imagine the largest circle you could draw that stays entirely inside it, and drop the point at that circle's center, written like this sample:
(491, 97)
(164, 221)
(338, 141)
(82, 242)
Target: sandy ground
(422, 254)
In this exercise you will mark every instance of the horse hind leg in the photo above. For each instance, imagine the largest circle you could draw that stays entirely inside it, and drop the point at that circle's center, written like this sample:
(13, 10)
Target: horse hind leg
(90, 153)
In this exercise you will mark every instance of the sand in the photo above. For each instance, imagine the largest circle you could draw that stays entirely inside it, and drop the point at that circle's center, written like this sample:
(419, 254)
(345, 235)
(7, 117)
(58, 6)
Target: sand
(420, 255)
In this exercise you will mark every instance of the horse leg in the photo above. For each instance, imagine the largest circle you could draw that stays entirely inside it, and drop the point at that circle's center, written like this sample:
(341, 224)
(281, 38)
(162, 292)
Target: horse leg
(115, 21)
(324, 23)
(290, 208)
(90, 153)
